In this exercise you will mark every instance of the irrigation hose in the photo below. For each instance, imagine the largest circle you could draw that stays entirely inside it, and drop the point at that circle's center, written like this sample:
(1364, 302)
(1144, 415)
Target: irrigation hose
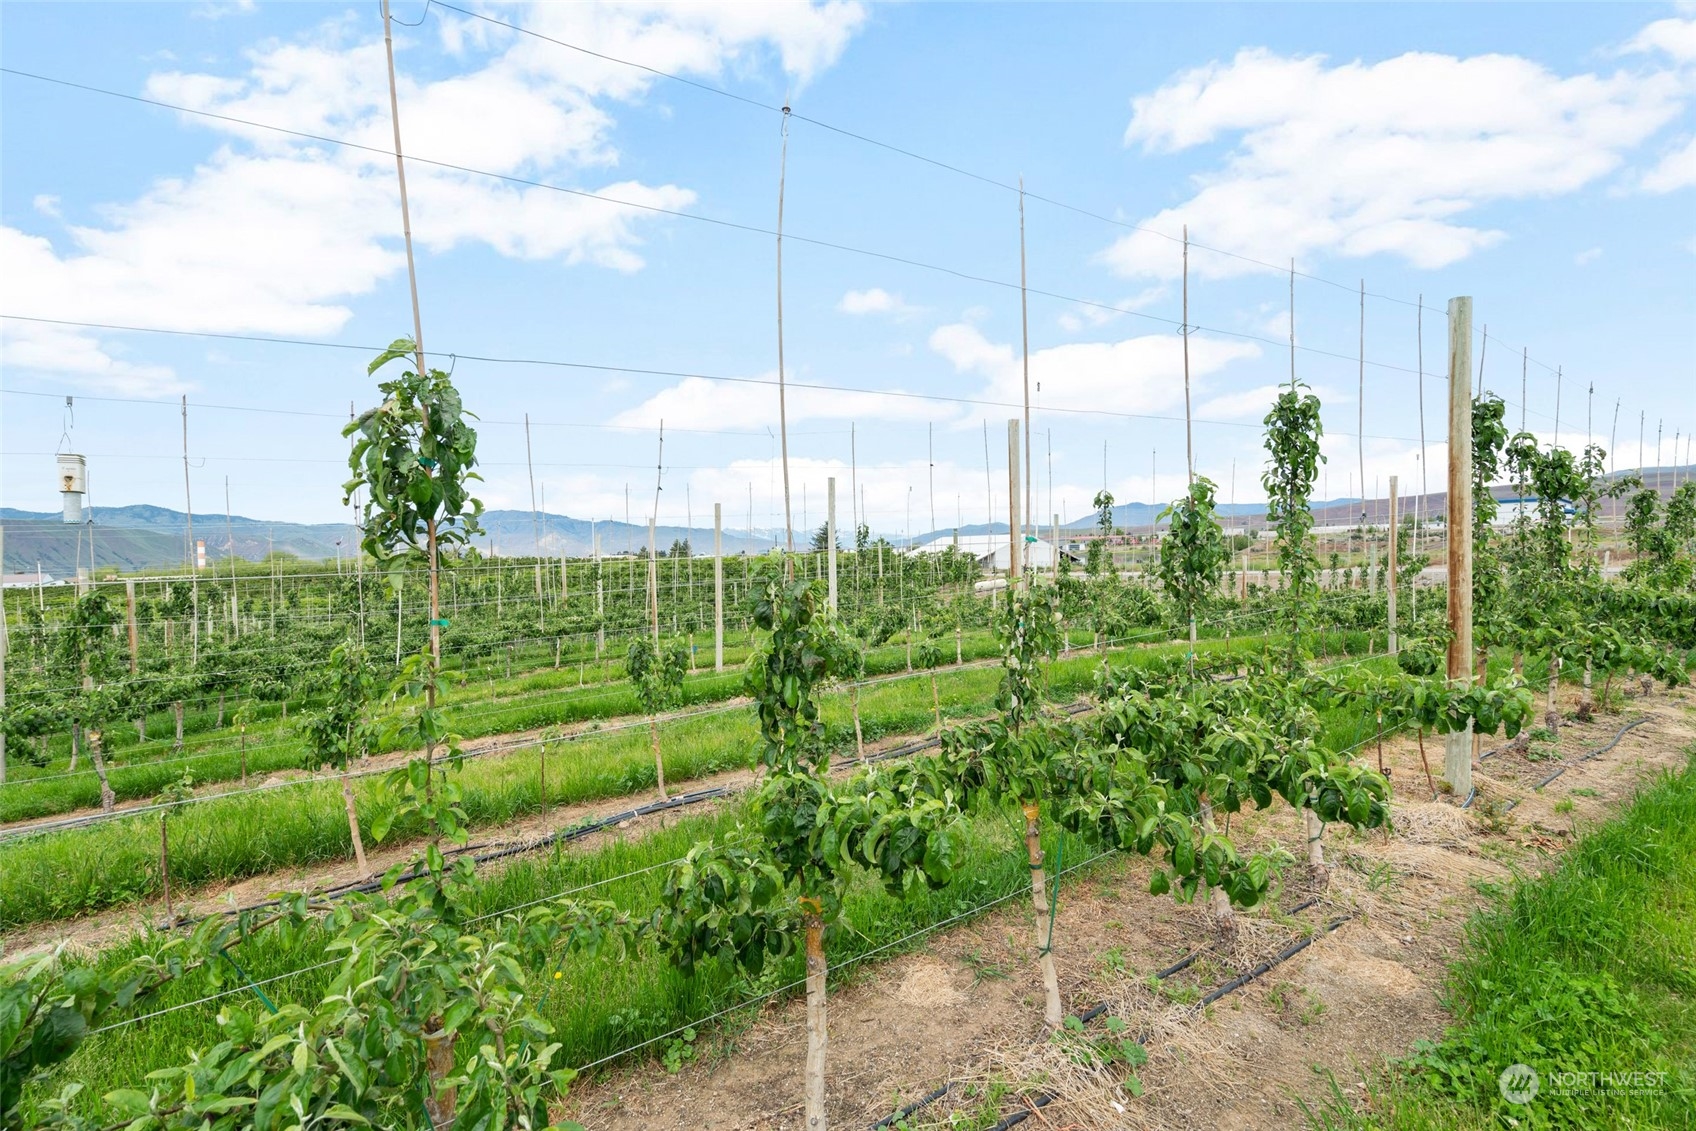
(1091, 1014)
(1596, 753)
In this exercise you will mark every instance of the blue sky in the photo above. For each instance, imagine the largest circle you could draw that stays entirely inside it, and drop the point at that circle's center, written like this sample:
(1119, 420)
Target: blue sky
(1539, 159)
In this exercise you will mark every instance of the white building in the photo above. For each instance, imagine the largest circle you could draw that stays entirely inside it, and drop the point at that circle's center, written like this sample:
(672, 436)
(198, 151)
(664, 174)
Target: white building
(992, 550)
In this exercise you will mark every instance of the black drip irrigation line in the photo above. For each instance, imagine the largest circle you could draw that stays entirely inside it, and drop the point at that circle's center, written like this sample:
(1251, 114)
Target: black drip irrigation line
(1095, 1011)
(1564, 767)
(579, 831)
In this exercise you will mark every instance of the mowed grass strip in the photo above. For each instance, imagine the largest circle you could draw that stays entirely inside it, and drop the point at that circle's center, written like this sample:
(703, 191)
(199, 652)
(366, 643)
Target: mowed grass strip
(1587, 975)
(115, 863)
(526, 701)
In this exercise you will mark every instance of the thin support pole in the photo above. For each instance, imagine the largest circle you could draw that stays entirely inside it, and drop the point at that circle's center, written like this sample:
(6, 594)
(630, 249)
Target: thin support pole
(718, 587)
(1025, 337)
(782, 394)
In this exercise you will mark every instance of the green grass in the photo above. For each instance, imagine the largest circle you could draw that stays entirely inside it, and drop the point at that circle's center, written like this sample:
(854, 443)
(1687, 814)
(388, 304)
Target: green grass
(1588, 969)
(482, 707)
(115, 863)
(600, 1005)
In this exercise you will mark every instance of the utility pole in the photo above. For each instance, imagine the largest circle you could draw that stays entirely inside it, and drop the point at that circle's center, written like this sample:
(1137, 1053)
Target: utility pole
(1457, 758)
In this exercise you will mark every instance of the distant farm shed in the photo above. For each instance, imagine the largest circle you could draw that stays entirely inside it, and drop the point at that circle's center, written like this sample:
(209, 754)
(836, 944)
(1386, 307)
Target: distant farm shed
(992, 552)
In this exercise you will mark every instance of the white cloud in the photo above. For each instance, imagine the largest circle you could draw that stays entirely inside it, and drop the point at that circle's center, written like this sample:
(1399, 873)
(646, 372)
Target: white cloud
(1089, 315)
(875, 300)
(701, 403)
(1357, 158)
(46, 204)
(1135, 375)
(1256, 402)
(1677, 170)
(70, 357)
(1588, 255)
(273, 233)
(1673, 37)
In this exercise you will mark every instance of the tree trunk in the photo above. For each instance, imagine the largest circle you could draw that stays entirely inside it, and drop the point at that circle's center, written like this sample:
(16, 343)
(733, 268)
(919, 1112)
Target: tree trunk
(659, 766)
(1586, 703)
(107, 797)
(439, 1102)
(959, 650)
(244, 754)
(1224, 918)
(76, 747)
(936, 702)
(1607, 682)
(141, 727)
(859, 739)
(1551, 713)
(177, 710)
(220, 724)
(353, 825)
(818, 1037)
(1044, 933)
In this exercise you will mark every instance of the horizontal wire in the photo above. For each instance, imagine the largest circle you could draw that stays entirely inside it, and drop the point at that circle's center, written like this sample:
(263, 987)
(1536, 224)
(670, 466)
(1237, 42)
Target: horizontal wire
(752, 229)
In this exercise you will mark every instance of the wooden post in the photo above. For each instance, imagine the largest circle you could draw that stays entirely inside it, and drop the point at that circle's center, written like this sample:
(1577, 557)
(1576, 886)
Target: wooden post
(830, 535)
(1013, 531)
(129, 616)
(1391, 582)
(1457, 753)
(718, 587)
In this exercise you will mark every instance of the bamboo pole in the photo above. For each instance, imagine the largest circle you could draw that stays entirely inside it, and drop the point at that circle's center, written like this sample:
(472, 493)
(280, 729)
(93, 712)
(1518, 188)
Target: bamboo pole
(1457, 756)
(718, 587)
(1013, 528)
(129, 619)
(1391, 581)
(830, 535)
(782, 396)
(1025, 336)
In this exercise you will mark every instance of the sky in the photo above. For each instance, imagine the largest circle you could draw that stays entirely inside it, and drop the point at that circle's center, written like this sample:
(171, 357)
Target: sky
(594, 198)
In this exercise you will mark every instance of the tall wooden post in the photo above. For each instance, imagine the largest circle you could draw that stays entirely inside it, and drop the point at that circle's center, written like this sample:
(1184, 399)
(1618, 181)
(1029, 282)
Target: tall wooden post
(1014, 534)
(718, 587)
(1390, 582)
(129, 616)
(1457, 755)
(830, 534)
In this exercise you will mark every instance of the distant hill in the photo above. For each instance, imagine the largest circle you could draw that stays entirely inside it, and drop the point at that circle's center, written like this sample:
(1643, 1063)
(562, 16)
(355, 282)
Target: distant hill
(147, 537)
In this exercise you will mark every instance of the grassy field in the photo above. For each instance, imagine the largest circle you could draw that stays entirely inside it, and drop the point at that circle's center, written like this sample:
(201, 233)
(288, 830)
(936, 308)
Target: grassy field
(484, 707)
(116, 863)
(1588, 969)
(601, 1006)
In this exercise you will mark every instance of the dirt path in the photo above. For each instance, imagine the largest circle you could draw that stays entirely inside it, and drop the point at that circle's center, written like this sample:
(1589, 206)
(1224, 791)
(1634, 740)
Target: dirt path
(966, 1009)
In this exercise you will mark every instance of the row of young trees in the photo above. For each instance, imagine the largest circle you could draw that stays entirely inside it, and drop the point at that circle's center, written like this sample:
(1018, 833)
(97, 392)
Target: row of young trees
(431, 1019)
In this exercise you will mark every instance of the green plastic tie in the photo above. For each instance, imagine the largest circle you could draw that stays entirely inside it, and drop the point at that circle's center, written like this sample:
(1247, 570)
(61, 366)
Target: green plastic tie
(1054, 898)
(269, 1004)
(440, 622)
